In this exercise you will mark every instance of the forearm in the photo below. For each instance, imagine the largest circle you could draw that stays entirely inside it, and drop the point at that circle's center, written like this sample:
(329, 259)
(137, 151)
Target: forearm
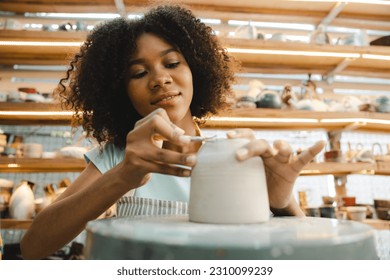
(62, 221)
(292, 209)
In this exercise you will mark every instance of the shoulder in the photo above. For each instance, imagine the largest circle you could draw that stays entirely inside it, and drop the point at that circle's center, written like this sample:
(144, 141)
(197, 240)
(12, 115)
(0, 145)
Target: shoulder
(106, 157)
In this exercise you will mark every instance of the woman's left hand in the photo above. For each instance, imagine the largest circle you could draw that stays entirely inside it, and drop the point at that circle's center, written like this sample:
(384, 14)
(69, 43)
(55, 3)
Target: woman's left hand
(281, 168)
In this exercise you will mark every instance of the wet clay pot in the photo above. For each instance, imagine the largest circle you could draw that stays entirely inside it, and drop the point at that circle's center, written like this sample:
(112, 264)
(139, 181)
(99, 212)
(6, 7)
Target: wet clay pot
(225, 190)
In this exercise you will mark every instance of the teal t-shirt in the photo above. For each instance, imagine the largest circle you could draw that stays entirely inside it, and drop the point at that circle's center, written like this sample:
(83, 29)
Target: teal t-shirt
(160, 186)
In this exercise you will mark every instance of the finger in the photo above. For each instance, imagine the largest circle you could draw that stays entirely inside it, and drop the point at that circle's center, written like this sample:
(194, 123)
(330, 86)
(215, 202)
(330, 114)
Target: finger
(306, 156)
(160, 111)
(284, 151)
(241, 133)
(167, 169)
(161, 129)
(159, 117)
(258, 147)
(169, 157)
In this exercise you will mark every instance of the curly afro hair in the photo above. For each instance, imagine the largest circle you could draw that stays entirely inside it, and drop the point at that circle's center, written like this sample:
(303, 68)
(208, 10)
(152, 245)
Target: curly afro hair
(95, 83)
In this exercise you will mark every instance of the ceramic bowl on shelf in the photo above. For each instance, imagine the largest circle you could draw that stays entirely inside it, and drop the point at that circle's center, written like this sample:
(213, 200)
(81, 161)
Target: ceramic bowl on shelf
(383, 213)
(356, 213)
(382, 203)
(328, 200)
(312, 212)
(333, 156)
(348, 200)
(327, 211)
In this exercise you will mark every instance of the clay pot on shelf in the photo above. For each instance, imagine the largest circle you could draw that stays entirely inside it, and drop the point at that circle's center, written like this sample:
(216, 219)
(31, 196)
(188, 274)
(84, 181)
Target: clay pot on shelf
(382, 203)
(328, 200)
(348, 200)
(328, 211)
(333, 156)
(6, 187)
(312, 212)
(383, 213)
(269, 99)
(22, 201)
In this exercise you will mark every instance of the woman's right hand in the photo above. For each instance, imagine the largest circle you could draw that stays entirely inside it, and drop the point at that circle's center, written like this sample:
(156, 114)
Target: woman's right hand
(144, 153)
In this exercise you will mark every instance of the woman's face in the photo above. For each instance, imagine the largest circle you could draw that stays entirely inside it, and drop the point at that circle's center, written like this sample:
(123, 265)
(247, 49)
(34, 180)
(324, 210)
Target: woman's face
(159, 77)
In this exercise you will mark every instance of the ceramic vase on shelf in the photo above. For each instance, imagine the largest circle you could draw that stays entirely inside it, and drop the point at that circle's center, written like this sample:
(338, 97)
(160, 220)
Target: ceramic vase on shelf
(225, 190)
(22, 202)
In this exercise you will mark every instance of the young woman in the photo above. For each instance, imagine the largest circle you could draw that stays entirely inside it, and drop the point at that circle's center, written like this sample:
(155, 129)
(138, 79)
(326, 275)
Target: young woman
(140, 85)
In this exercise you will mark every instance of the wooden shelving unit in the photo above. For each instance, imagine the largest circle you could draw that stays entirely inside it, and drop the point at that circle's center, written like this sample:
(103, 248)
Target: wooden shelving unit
(30, 113)
(61, 55)
(350, 15)
(312, 12)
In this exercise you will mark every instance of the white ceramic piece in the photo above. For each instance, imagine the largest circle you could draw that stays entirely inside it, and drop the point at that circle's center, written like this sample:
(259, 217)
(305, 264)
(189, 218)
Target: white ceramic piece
(225, 190)
(22, 202)
(72, 152)
(357, 213)
(32, 150)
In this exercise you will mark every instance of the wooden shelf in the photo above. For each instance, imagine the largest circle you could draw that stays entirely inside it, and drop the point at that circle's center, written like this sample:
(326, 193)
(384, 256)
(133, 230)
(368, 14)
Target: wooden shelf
(284, 63)
(30, 113)
(30, 165)
(383, 168)
(378, 224)
(253, 118)
(299, 119)
(15, 224)
(17, 165)
(39, 55)
(339, 168)
(29, 106)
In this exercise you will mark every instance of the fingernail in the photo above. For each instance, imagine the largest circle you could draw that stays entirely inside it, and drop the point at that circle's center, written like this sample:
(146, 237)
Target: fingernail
(179, 130)
(231, 133)
(186, 173)
(242, 153)
(191, 159)
(185, 139)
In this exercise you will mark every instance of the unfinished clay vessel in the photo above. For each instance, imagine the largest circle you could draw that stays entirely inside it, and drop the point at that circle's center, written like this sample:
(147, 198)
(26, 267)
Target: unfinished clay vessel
(225, 190)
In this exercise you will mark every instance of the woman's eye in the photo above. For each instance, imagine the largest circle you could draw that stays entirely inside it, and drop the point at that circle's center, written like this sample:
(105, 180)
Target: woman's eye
(172, 65)
(138, 75)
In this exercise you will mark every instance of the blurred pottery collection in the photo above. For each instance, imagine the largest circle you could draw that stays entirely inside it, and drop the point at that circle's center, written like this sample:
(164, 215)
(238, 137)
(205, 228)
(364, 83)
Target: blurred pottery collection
(19, 201)
(345, 207)
(258, 96)
(16, 146)
(319, 36)
(359, 153)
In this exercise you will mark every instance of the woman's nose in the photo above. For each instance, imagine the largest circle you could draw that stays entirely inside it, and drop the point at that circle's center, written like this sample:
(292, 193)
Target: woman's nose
(160, 79)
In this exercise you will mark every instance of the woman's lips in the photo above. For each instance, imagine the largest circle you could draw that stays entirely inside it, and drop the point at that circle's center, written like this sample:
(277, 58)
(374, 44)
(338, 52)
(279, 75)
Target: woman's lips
(165, 99)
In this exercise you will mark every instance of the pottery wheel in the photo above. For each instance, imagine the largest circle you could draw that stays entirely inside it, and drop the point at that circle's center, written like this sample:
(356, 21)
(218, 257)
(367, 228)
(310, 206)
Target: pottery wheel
(174, 237)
